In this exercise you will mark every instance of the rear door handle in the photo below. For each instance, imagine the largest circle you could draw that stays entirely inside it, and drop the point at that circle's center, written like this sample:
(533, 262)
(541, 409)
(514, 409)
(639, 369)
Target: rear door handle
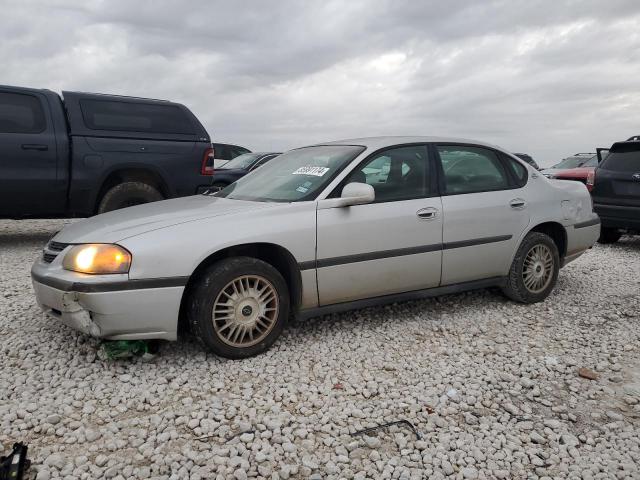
(428, 213)
(517, 203)
(34, 146)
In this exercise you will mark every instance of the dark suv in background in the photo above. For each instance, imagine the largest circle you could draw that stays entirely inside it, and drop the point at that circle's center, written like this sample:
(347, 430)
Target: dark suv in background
(82, 153)
(615, 188)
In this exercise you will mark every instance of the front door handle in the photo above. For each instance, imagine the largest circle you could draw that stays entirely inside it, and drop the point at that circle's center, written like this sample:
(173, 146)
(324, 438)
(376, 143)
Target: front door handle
(35, 146)
(428, 213)
(517, 203)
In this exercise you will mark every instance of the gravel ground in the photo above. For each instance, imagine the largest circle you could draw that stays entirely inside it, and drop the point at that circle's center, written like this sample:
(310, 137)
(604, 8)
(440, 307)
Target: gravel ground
(491, 387)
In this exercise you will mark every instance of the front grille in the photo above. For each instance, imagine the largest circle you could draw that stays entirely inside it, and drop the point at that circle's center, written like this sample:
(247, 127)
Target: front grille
(52, 250)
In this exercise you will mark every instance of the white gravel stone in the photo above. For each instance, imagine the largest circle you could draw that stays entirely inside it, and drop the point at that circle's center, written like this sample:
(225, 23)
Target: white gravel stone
(490, 385)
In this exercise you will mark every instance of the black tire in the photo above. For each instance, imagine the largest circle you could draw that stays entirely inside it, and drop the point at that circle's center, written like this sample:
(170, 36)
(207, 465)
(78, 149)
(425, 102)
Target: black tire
(128, 194)
(609, 235)
(516, 289)
(210, 285)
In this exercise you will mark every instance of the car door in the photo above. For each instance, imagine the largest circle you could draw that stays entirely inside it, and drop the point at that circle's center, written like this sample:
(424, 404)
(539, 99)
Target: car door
(29, 176)
(390, 246)
(485, 207)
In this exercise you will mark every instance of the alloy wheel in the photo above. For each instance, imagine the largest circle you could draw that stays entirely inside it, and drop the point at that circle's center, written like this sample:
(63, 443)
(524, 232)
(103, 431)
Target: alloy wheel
(245, 311)
(538, 267)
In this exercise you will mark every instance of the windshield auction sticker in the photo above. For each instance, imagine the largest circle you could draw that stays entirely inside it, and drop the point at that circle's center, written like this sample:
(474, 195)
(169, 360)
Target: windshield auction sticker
(315, 171)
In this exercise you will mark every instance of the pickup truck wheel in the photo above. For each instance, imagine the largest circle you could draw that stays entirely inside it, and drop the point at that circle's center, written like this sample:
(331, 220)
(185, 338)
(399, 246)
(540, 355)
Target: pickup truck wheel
(609, 235)
(128, 194)
(238, 307)
(534, 270)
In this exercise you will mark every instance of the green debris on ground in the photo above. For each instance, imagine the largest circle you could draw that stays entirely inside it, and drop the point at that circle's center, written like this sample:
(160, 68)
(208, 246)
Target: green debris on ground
(119, 349)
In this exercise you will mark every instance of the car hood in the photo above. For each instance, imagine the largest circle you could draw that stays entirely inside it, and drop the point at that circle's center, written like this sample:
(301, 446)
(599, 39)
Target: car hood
(235, 171)
(115, 226)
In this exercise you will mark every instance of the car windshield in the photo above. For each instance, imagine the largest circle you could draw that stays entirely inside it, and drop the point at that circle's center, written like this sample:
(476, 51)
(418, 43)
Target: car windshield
(242, 161)
(571, 162)
(294, 176)
(592, 162)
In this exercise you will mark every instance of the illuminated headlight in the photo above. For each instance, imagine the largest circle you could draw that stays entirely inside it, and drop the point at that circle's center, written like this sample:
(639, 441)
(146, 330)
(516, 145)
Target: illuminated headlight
(97, 258)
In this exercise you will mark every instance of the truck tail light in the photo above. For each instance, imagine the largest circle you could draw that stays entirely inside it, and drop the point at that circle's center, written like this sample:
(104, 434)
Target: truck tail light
(207, 162)
(591, 180)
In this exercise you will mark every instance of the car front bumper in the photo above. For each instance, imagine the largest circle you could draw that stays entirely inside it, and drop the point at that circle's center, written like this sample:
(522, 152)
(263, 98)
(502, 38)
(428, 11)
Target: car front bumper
(109, 306)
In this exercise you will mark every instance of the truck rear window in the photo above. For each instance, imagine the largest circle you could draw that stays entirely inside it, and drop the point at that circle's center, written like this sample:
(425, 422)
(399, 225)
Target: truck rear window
(135, 117)
(21, 113)
(623, 158)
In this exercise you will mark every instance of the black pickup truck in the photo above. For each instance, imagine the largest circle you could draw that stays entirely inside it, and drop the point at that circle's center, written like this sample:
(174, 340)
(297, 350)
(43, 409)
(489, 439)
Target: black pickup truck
(82, 154)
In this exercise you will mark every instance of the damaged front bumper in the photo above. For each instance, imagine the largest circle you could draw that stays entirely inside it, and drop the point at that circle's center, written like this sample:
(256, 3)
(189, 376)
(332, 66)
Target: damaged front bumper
(113, 307)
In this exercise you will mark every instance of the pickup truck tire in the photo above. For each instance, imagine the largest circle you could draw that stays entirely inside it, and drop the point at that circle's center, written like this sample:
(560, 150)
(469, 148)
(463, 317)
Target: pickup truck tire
(609, 235)
(128, 194)
(238, 307)
(534, 270)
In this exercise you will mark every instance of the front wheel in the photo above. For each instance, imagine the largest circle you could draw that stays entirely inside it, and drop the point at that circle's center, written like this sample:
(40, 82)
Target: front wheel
(609, 235)
(238, 307)
(534, 270)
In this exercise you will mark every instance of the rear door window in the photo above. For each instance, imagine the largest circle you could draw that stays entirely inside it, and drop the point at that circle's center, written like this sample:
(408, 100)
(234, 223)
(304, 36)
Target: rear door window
(469, 169)
(135, 117)
(21, 113)
(518, 170)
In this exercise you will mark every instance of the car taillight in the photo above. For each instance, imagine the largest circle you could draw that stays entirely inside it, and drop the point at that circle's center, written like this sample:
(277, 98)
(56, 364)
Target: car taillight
(591, 180)
(207, 162)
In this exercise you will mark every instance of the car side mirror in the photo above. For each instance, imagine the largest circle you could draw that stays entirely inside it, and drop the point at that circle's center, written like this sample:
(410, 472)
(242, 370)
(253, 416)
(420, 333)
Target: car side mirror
(354, 193)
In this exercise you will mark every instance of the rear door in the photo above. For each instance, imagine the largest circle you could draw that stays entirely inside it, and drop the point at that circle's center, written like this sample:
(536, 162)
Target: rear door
(485, 207)
(30, 184)
(390, 246)
(616, 191)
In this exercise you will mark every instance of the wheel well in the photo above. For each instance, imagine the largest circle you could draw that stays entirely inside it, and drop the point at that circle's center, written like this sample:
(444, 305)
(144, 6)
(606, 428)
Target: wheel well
(133, 175)
(557, 233)
(276, 256)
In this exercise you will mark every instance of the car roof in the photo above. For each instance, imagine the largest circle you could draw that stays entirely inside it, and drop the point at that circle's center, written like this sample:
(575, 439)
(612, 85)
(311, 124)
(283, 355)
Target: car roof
(389, 141)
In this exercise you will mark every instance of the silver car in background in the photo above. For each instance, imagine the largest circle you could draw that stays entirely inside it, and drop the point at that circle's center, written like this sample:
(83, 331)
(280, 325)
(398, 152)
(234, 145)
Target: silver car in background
(320, 229)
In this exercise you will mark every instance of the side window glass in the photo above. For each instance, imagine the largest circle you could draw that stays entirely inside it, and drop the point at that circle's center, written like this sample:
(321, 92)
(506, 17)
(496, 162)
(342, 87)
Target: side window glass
(223, 153)
(21, 113)
(519, 171)
(471, 169)
(397, 174)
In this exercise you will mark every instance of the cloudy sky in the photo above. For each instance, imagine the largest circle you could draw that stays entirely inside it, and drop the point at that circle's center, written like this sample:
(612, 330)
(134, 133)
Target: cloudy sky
(549, 78)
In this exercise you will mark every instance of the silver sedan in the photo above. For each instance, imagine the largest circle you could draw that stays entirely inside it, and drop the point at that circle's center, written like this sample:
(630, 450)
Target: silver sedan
(320, 229)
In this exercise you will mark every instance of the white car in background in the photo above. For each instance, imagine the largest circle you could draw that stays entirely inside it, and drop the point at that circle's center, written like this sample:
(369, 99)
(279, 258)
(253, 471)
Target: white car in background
(319, 229)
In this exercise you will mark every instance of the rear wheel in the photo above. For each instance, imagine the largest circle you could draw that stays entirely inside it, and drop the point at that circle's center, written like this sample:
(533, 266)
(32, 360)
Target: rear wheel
(128, 194)
(534, 270)
(609, 235)
(238, 307)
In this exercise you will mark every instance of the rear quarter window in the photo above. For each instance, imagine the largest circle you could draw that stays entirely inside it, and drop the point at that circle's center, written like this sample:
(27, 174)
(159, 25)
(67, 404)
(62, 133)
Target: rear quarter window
(135, 117)
(21, 113)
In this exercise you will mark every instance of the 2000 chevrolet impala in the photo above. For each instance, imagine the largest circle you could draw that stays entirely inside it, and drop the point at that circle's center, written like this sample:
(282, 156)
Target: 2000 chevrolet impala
(320, 229)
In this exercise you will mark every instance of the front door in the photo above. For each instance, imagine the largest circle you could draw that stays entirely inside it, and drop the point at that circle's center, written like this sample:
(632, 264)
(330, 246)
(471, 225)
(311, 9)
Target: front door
(390, 246)
(485, 204)
(29, 183)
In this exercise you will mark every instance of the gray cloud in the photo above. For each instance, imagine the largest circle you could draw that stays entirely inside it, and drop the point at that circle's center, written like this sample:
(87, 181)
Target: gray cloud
(549, 78)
